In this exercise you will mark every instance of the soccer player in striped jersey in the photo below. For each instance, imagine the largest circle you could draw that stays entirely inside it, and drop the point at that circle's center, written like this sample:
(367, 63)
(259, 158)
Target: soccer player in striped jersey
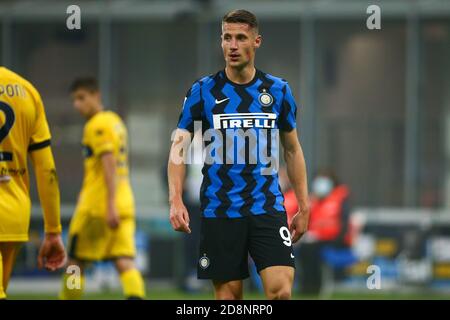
(242, 206)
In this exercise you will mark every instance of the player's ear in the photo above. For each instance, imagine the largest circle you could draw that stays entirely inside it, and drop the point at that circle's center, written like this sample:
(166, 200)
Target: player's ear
(258, 41)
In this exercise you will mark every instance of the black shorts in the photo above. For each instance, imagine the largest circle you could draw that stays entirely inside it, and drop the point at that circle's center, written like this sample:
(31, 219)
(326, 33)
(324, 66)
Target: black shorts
(225, 245)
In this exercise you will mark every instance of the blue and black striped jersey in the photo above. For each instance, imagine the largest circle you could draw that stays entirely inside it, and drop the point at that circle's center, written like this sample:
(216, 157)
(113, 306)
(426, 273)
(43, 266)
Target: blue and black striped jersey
(240, 181)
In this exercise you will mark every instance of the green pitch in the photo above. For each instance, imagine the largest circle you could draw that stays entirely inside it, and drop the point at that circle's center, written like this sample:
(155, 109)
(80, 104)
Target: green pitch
(165, 294)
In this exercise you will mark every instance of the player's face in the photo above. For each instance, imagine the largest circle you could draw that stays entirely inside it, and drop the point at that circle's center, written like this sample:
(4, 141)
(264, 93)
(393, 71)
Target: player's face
(239, 44)
(86, 102)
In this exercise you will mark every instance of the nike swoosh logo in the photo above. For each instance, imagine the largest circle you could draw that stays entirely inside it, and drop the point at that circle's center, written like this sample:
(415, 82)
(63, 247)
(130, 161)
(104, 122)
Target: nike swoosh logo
(292, 256)
(223, 100)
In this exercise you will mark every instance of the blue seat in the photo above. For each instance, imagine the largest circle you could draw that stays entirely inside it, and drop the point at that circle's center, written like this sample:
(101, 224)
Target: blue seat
(338, 258)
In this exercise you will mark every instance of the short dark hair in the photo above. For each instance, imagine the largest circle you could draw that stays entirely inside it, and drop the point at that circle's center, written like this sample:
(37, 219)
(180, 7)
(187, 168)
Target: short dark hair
(87, 83)
(241, 16)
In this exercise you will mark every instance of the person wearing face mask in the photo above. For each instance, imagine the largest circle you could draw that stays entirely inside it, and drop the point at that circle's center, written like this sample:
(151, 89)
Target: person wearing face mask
(329, 210)
(328, 227)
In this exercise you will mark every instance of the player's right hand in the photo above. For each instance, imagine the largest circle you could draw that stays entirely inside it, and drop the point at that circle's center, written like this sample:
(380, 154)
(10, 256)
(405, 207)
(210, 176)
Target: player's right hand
(112, 218)
(179, 217)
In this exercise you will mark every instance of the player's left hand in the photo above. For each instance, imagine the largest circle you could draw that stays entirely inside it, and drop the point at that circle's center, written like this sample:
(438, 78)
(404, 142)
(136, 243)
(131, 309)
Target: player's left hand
(299, 224)
(52, 254)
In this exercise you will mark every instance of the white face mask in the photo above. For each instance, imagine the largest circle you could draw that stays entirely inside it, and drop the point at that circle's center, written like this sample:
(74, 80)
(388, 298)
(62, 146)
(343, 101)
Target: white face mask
(322, 186)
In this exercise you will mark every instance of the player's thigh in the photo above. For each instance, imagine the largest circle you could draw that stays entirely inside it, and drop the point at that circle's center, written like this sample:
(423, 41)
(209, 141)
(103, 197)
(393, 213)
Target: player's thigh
(230, 290)
(270, 242)
(121, 243)
(277, 282)
(223, 251)
(87, 237)
(9, 251)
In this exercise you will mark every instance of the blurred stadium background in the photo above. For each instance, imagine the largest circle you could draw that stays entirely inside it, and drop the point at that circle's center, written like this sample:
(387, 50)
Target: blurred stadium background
(375, 108)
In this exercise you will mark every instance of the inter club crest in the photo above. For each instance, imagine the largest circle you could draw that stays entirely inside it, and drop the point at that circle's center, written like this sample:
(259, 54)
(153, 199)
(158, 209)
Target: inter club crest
(204, 262)
(265, 99)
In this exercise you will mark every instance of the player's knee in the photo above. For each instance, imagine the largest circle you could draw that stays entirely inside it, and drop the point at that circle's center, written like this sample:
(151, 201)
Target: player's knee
(124, 264)
(280, 293)
(228, 291)
(283, 294)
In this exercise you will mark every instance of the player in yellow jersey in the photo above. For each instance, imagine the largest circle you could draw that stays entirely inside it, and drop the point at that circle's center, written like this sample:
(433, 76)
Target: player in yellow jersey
(24, 131)
(103, 225)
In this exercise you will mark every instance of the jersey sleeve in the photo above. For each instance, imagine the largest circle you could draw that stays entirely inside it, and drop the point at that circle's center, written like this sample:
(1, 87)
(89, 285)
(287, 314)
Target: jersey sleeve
(40, 136)
(101, 137)
(288, 112)
(192, 108)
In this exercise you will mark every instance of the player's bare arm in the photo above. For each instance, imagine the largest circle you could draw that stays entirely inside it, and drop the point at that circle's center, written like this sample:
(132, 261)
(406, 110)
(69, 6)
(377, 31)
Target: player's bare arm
(109, 170)
(176, 171)
(296, 170)
(52, 254)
